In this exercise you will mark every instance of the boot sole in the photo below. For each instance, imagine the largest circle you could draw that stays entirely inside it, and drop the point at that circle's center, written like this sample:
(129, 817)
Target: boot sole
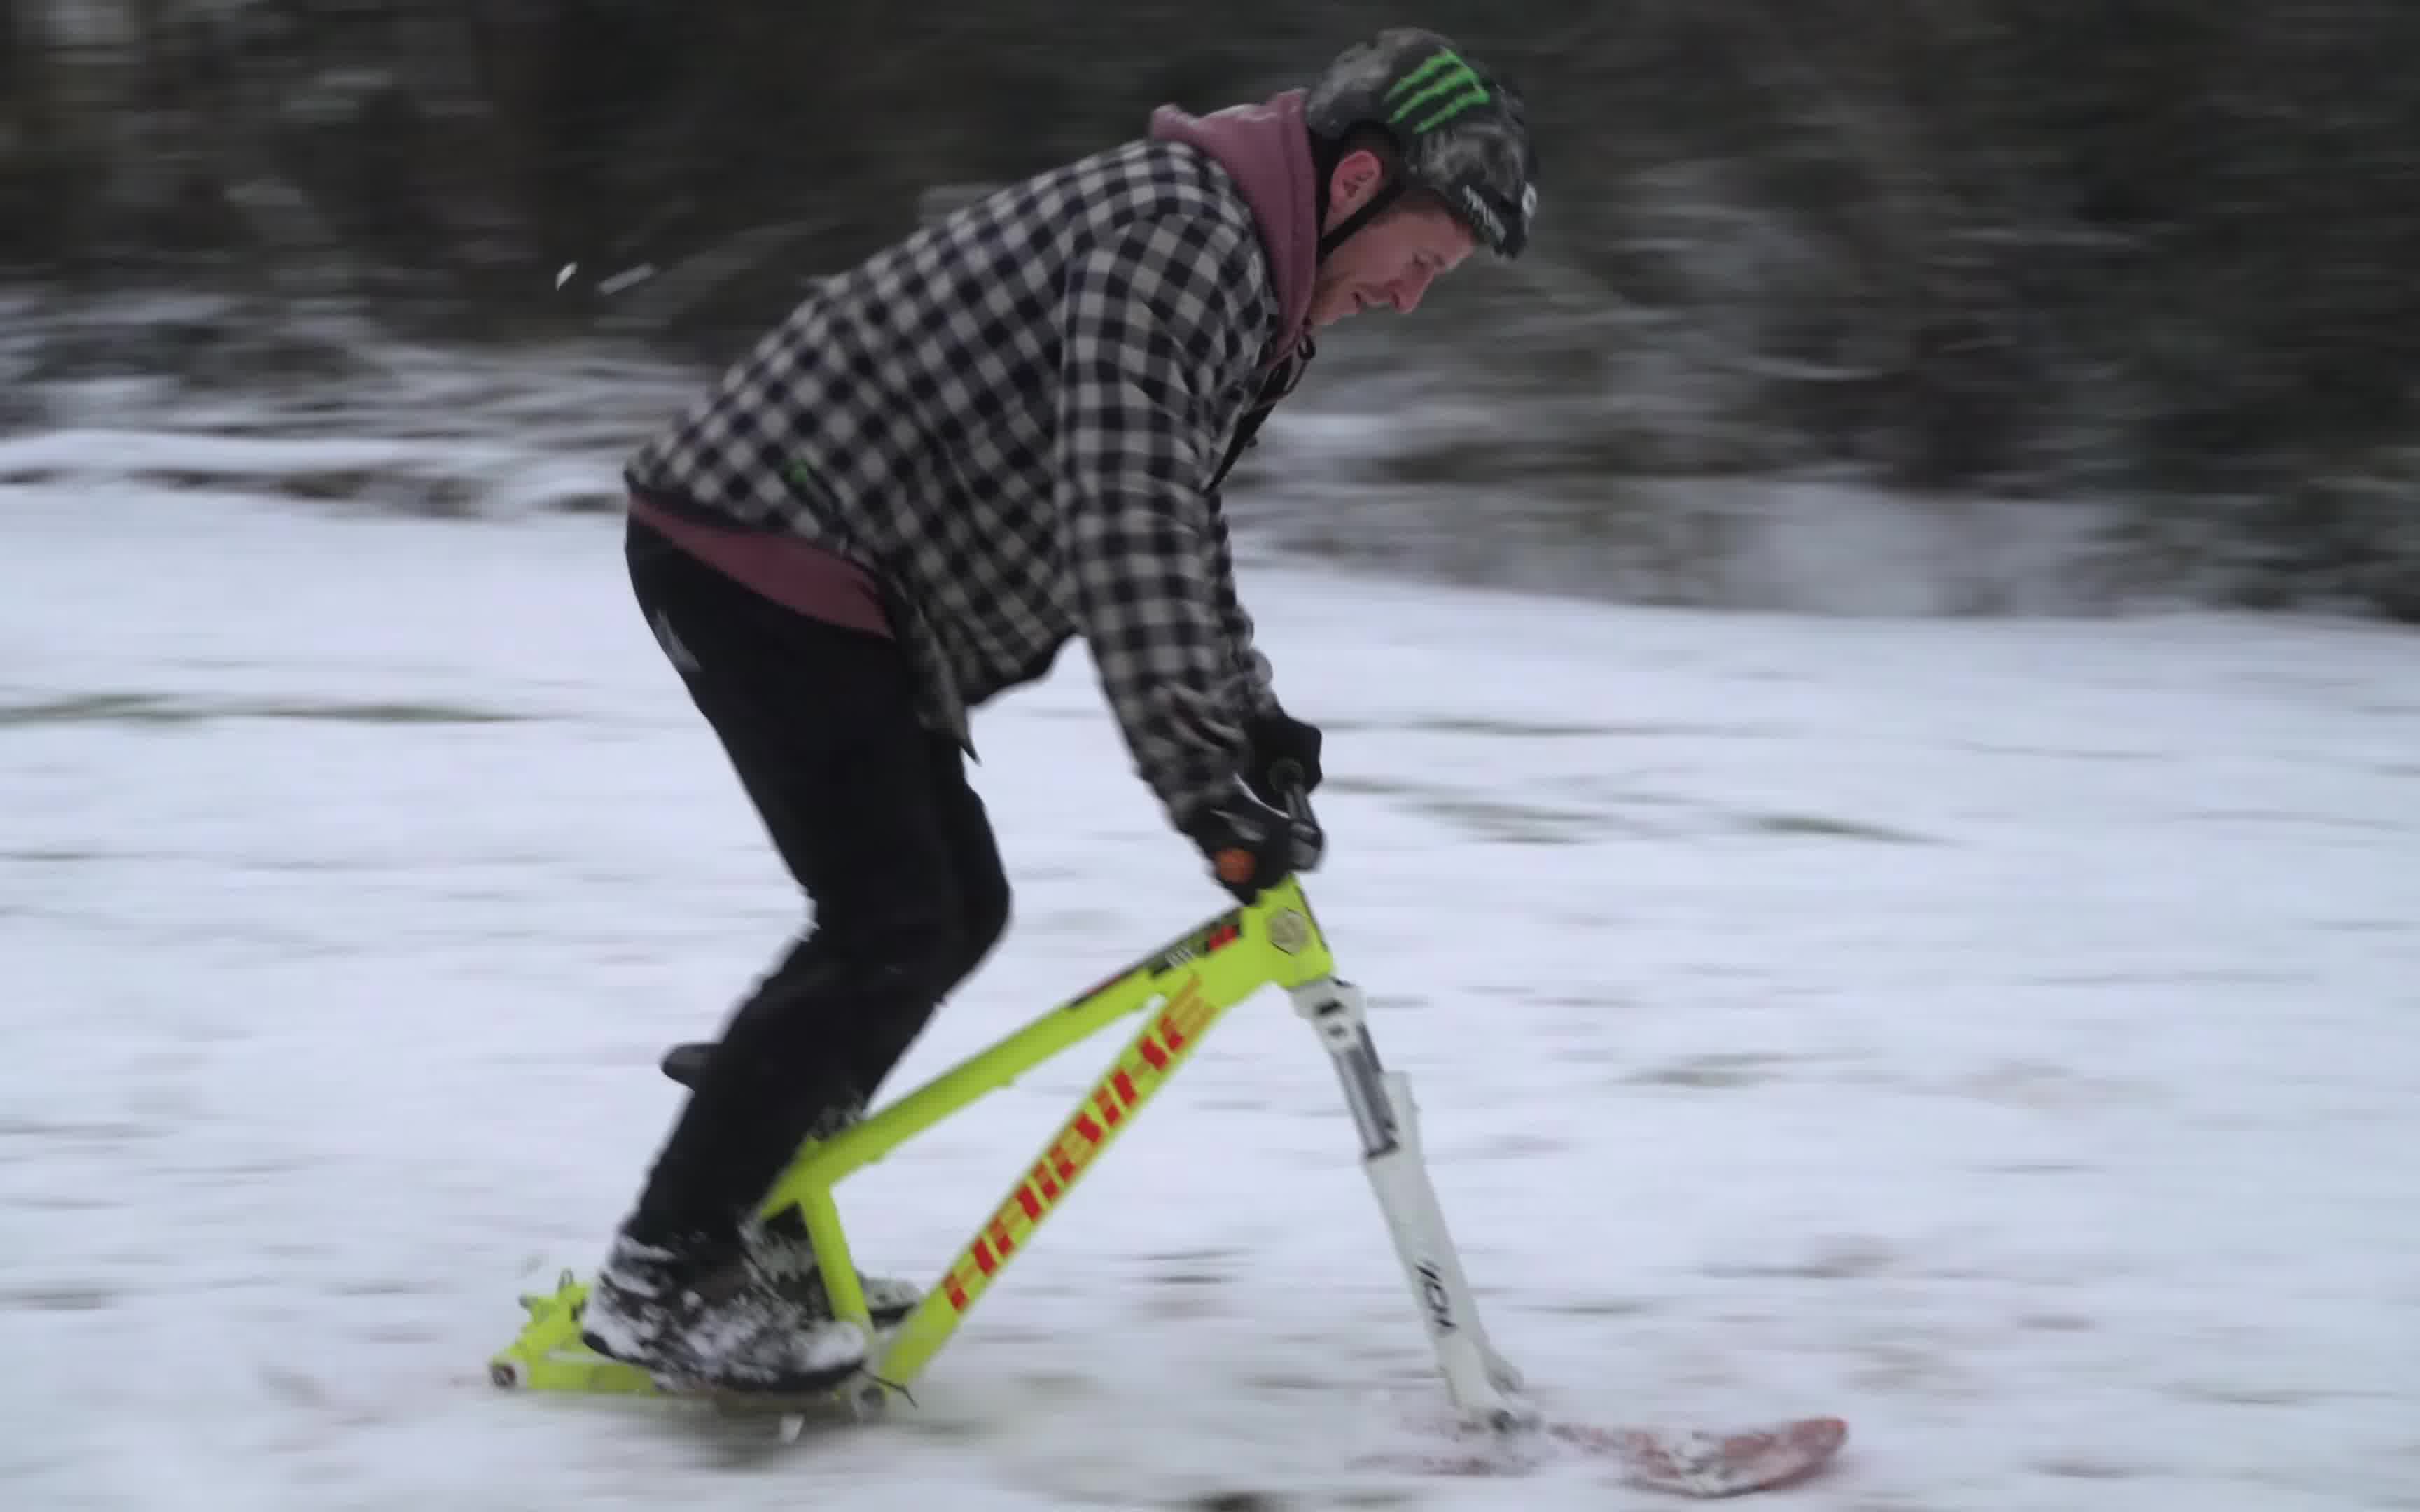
(807, 1387)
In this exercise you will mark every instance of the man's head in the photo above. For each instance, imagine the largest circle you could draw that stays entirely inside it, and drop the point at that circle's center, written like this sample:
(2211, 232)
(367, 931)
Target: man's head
(1391, 260)
(1424, 157)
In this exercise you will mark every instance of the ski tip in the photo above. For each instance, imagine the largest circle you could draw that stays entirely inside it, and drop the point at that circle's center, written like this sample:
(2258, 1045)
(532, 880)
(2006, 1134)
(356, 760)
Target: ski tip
(1825, 1433)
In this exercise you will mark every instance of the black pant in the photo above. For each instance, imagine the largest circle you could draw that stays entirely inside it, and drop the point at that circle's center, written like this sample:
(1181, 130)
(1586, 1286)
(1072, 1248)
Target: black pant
(872, 814)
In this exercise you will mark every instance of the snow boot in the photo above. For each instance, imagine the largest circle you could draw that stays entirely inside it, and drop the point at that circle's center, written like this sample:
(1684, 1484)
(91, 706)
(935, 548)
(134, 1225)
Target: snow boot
(780, 1250)
(778, 1246)
(706, 1316)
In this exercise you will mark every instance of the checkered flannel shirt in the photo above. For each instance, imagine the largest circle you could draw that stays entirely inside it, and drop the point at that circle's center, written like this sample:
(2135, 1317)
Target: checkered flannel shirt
(1013, 419)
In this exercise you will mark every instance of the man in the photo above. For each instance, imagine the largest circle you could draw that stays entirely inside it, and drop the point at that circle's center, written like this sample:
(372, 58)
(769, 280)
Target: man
(1005, 432)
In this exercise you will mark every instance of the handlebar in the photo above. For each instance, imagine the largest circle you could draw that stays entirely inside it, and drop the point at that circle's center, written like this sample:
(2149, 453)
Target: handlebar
(1306, 842)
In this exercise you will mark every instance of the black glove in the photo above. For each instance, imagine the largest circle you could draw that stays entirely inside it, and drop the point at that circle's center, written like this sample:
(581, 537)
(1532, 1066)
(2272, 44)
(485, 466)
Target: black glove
(1276, 739)
(1253, 847)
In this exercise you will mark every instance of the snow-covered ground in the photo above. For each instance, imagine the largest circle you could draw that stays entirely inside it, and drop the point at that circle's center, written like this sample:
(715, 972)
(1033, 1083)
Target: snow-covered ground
(2002, 1034)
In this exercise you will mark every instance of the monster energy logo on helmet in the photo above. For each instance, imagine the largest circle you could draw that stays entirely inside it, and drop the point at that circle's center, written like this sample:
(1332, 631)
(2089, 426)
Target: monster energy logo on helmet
(1443, 87)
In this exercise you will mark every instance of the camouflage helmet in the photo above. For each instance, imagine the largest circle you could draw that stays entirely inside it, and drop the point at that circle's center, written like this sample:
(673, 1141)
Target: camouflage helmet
(1462, 132)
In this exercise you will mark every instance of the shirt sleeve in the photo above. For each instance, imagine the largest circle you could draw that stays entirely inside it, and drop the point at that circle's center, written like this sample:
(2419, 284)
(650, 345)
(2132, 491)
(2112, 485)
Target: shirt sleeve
(1158, 322)
(1251, 664)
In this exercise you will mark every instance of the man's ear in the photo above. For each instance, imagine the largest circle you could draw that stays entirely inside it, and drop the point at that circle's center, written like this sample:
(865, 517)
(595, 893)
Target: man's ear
(1350, 184)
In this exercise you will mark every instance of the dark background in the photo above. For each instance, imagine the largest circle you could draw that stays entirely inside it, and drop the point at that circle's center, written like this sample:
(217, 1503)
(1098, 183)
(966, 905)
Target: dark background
(2157, 255)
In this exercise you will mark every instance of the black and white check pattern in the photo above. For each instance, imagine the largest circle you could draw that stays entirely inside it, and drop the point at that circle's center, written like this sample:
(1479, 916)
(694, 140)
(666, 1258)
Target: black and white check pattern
(1013, 419)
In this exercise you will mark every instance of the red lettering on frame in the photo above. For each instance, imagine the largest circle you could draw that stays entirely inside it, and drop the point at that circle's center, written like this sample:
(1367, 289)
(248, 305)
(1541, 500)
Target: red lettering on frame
(1064, 1162)
(1122, 1089)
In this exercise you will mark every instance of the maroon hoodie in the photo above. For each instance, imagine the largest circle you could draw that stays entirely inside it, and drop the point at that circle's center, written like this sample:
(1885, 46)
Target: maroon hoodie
(1266, 148)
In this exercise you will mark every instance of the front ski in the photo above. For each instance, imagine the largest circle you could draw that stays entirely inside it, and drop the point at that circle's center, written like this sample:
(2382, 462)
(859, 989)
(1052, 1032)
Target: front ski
(1697, 1463)
(1684, 1462)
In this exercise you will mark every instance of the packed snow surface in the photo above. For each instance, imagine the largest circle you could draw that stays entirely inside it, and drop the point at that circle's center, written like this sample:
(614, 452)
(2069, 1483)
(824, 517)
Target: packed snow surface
(2001, 1034)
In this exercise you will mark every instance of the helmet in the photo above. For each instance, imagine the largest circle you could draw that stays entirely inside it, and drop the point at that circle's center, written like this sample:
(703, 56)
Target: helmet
(1463, 133)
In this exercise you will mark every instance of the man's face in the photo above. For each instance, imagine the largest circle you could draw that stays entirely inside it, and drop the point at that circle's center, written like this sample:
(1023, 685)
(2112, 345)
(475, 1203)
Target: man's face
(1390, 263)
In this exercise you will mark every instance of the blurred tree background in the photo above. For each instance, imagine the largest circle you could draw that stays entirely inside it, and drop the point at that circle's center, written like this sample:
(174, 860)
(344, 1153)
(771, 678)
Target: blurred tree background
(2154, 254)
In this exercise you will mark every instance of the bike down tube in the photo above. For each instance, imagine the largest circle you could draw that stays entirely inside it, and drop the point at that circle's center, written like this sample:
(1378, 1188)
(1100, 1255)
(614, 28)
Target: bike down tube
(1186, 986)
(807, 1183)
(1483, 1385)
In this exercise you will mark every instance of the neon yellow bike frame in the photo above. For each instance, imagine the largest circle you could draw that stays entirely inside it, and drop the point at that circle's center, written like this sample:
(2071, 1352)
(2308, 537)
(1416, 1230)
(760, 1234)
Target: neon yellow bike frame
(1182, 990)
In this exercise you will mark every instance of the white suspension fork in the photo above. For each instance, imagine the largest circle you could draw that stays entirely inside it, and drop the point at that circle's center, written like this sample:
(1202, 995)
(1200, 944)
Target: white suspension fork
(1485, 1386)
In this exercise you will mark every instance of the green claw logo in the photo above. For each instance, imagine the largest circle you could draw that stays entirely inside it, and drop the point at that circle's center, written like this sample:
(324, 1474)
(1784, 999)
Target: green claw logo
(1445, 87)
